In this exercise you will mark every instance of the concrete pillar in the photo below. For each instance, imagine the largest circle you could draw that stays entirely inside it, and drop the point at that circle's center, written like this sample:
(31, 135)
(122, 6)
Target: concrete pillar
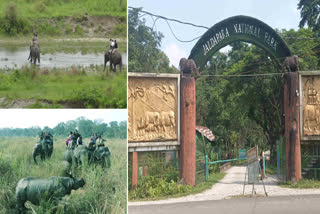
(188, 130)
(292, 125)
(134, 169)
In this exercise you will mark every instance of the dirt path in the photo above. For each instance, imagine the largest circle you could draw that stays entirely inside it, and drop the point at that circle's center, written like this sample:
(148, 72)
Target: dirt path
(232, 185)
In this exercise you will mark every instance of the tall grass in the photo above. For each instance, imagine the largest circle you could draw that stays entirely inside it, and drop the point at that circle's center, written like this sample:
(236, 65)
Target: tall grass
(74, 86)
(104, 192)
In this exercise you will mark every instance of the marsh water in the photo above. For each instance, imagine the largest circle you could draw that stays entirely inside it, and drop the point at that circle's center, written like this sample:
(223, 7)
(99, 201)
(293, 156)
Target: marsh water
(16, 57)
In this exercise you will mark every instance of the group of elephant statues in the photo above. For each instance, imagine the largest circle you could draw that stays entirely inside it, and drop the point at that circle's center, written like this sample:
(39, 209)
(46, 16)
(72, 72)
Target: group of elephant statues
(112, 55)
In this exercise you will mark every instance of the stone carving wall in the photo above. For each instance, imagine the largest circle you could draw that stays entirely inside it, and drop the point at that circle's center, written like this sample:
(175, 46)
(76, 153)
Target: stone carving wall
(311, 105)
(152, 109)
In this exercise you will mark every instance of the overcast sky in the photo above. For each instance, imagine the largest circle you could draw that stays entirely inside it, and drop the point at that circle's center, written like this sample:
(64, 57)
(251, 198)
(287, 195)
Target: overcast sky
(25, 118)
(277, 14)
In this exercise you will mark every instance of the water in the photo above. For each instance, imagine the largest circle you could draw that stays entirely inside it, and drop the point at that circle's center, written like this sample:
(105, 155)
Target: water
(17, 57)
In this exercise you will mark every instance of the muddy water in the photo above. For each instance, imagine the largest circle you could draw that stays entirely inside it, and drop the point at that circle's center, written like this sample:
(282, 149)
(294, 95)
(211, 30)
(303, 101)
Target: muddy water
(17, 57)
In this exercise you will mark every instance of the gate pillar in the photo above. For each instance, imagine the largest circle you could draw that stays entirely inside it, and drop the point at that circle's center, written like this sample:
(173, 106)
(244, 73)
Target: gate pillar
(187, 128)
(292, 125)
(134, 169)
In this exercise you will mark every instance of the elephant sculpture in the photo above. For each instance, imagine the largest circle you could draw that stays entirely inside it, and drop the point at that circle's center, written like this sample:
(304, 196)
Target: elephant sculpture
(43, 149)
(114, 57)
(36, 189)
(291, 63)
(34, 52)
(188, 67)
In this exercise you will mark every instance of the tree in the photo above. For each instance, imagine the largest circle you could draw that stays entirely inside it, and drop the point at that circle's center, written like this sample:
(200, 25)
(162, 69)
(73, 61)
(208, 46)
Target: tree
(144, 47)
(310, 14)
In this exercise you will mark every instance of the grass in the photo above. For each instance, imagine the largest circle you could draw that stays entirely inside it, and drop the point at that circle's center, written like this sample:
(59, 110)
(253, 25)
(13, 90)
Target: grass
(72, 87)
(179, 190)
(95, 197)
(63, 8)
(302, 184)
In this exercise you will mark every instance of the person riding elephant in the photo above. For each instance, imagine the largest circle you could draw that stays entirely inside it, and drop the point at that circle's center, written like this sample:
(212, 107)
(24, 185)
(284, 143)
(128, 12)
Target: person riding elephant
(42, 148)
(115, 59)
(34, 50)
(100, 141)
(74, 138)
(81, 154)
(93, 140)
(51, 189)
(102, 156)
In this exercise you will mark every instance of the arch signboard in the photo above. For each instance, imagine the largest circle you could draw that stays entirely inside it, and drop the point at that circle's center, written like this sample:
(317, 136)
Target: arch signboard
(239, 28)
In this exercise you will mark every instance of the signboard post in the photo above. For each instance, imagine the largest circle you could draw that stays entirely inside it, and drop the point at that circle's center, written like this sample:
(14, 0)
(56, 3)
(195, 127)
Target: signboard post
(253, 168)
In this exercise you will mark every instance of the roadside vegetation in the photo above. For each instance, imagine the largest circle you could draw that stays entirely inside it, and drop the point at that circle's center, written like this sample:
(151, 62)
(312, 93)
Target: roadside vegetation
(302, 184)
(104, 192)
(69, 87)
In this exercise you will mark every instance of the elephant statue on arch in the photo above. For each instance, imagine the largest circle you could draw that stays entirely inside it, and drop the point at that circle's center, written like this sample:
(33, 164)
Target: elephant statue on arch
(115, 59)
(42, 149)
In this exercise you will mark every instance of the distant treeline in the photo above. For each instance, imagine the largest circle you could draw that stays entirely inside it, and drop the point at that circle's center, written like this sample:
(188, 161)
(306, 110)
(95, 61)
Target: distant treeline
(85, 127)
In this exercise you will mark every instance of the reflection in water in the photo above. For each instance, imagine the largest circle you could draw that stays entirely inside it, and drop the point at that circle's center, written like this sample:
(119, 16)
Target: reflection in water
(16, 57)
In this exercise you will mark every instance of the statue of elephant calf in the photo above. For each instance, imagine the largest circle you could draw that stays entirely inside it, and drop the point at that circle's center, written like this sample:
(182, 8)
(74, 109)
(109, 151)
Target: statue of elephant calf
(35, 190)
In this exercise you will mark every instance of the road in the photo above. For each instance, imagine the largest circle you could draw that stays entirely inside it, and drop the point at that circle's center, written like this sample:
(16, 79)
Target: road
(298, 204)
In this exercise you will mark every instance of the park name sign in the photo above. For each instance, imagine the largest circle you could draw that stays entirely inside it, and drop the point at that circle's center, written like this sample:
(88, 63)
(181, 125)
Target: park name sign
(239, 28)
(153, 111)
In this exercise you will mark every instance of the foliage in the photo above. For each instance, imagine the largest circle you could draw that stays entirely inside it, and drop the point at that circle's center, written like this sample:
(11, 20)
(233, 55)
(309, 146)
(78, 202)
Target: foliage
(144, 47)
(310, 12)
(302, 184)
(151, 188)
(69, 86)
(85, 127)
(104, 192)
(12, 23)
(63, 8)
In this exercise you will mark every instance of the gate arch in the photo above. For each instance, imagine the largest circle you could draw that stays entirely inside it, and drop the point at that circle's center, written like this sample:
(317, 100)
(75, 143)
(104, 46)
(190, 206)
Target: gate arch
(239, 28)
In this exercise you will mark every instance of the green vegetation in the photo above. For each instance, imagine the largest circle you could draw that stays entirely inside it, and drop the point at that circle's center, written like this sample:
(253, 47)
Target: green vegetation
(302, 184)
(62, 17)
(75, 86)
(144, 48)
(104, 192)
(64, 8)
(151, 188)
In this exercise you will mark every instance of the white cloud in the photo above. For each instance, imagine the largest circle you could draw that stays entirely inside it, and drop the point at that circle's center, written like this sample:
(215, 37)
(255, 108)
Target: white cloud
(174, 53)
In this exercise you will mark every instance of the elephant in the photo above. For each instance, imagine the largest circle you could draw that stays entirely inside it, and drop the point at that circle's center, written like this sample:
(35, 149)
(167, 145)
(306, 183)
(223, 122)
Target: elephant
(82, 154)
(36, 189)
(34, 52)
(69, 156)
(114, 57)
(291, 63)
(43, 149)
(101, 155)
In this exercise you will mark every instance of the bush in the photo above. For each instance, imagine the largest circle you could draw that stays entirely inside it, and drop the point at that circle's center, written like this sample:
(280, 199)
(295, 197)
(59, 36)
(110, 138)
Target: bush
(78, 30)
(11, 24)
(120, 30)
(5, 82)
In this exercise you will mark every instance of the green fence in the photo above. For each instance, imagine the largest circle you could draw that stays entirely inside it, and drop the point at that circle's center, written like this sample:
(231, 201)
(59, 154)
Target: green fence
(310, 161)
(281, 159)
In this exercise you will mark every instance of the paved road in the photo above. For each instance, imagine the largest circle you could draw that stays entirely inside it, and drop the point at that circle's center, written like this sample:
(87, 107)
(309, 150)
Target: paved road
(309, 204)
(232, 185)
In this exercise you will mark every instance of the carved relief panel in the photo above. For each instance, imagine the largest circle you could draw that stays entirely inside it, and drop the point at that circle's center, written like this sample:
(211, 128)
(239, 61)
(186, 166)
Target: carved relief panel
(152, 109)
(310, 105)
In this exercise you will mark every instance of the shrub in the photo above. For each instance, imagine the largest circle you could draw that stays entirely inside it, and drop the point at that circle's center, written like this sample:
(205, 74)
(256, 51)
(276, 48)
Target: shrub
(78, 30)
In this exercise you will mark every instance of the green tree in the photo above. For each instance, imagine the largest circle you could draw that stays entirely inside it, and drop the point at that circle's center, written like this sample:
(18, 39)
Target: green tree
(310, 14)
(144, 47)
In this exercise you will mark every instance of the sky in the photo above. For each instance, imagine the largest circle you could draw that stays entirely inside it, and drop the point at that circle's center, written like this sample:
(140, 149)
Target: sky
(25, 118)
(277, 14)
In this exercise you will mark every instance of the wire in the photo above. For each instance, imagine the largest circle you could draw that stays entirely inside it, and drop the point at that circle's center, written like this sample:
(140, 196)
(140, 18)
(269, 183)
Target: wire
(177, 37)
(169, 19)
